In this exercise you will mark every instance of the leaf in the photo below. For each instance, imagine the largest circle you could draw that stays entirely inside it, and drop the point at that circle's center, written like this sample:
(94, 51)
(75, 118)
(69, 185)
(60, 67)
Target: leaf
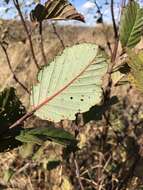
(55, 10)
(136, 64)
(131, 25)
(40, 135)
(29, 138)
(70, 84)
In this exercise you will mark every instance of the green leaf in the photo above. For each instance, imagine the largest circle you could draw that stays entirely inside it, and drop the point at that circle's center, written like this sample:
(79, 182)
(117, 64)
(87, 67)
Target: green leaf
(41, 134)
(29, 138)
(131, 25)
(71, 83)
(136, 64)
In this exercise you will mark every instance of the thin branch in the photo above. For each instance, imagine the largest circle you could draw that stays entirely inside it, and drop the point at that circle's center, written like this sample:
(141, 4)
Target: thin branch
(104, 28)
(58, 36)
(113, 20)
(91, 182)
(78, 174)
(22, 169)
(98, 8)
(11, 69)
(108, 86)
(42, 44)
(113, 57)
(116, 36)
(17, 6)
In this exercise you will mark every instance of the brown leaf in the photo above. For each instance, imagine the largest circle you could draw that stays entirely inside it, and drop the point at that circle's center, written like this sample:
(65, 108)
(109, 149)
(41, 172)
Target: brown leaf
(56, 10)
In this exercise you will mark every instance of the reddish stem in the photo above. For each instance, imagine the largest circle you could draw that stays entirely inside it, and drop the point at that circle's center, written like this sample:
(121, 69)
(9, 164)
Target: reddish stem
(50, 98)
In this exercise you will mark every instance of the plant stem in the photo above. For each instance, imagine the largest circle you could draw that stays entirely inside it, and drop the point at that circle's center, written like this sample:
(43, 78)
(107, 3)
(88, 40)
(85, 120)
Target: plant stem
(108, 87)
(58, 36)
(78, 174)
(114, 54)
(17, 6)
(42, 44)
(116, 36)
(104, 28)
(11, 69)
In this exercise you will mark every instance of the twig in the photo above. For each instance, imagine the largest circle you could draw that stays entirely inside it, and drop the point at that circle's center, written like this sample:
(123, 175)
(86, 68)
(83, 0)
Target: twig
(17, 6)
(104, 29)
(108, 86)
(113, 20)
(103, 169)
(107, 90)
(11, 69)
(78, 174)
(88, 170)
(22, 168)
(91, 182)
(99, 171)
(42, 44)
(58, 36)
(30, 183)
(115, 34)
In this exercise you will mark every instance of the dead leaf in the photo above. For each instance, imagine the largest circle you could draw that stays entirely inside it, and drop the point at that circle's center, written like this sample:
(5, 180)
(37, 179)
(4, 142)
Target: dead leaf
(56, 10)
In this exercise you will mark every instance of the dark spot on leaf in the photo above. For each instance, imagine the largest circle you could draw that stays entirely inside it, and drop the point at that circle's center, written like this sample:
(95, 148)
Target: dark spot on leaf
(81, 100)
(71, 98)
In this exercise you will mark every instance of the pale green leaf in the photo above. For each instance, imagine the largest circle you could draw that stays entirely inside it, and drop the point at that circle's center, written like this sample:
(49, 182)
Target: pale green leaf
(78, 72)
(131, 25)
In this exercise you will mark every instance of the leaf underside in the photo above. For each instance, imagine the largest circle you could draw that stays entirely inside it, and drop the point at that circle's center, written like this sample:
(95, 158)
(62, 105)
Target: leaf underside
(131, 25)
(83, 92)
